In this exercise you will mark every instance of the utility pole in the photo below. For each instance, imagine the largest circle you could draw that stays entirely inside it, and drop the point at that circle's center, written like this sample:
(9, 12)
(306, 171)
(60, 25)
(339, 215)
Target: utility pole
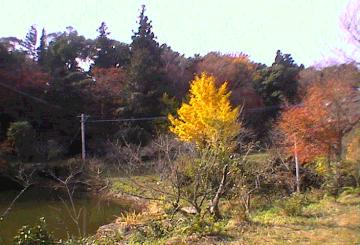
(83, 145)
(296, 166)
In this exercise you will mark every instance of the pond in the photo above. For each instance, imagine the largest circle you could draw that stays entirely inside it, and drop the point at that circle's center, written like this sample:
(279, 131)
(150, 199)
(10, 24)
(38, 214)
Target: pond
(37, 203)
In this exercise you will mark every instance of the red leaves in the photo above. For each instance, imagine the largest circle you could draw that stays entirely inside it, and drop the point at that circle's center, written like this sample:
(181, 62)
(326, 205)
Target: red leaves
(320, 123)
(26, 76)
(109, 81)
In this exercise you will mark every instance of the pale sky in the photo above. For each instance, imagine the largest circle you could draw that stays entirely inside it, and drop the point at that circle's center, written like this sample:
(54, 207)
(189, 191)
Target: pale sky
(307, 29)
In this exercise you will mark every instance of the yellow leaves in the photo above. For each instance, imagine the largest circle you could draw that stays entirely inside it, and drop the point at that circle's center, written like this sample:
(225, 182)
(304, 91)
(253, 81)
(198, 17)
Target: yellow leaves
(208, 118)
(321, 165)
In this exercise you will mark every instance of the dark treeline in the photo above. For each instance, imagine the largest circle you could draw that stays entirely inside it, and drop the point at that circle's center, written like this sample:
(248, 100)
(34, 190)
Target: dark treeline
(44, 88)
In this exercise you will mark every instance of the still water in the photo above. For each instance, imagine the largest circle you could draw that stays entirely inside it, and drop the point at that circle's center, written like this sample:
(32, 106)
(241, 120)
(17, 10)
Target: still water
(35, 203)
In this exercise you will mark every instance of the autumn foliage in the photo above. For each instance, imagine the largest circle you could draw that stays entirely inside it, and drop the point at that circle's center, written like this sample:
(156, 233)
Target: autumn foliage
(208, 118)
(236, 69)
(318, 125)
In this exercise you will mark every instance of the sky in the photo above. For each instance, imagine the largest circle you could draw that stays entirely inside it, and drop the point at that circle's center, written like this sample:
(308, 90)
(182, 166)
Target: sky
(307, 29)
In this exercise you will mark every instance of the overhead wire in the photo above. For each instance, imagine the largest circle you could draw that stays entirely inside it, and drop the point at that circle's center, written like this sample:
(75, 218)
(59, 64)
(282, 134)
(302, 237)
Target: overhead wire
(30, 96)
(128, 119)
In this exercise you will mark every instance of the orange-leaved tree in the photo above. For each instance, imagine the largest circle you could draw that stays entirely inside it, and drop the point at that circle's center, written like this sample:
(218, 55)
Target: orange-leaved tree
(317, 126)
(208, 119)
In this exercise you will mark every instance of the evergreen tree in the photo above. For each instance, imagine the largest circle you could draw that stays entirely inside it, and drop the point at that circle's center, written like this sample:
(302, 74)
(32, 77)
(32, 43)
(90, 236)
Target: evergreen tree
(103, 30)
(109, 53)
(145, 71)
(30, 42)
(41, 50)
(278, 83)
(65, 50)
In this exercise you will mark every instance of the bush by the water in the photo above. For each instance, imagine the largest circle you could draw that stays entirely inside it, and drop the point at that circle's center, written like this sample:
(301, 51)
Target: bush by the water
(22, 137)
(34, 235)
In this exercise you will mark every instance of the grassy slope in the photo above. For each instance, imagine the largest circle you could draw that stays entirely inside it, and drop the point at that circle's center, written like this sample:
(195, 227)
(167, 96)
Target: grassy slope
(326, 222)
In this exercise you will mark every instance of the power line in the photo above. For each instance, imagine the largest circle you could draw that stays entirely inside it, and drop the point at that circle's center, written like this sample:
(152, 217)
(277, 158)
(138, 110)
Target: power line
(128, 119)
(274, 107)
(254, 109)
(262, 108)
(29, 96)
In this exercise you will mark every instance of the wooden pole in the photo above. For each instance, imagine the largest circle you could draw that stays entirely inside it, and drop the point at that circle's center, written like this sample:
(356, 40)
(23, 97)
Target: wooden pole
(83, 143)
(296, 167)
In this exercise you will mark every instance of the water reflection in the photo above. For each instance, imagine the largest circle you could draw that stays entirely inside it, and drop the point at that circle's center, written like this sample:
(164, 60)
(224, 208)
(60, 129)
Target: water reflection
(56, 209)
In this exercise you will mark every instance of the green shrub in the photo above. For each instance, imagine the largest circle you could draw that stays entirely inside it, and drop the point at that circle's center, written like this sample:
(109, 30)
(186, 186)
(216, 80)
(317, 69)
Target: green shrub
(351, 191)
(22, 136)
(337, 175)
(151, 233)
(54, 150)
(72, 241)
(138, 237)
(34, 235)
(349, 173)
(268, 216)
(84, 241)
(157, 230)
(204, 226)
(293, 206)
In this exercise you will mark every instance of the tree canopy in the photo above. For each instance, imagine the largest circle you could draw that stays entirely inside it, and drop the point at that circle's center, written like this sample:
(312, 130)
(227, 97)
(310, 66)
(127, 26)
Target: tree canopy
(49, 81)
(208, 119)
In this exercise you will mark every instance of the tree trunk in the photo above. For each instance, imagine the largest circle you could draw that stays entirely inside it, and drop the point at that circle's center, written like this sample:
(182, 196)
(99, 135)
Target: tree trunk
(214, 205)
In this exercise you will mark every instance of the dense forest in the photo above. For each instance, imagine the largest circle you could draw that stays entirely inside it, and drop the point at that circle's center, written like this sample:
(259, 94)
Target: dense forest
(263, 132)
(46, 85)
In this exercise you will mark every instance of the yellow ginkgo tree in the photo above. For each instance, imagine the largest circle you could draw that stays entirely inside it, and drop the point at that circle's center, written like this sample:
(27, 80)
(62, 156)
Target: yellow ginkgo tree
(208, 119)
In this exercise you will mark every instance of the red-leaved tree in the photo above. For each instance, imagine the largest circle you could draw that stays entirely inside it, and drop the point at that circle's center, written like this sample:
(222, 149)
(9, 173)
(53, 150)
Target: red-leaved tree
(317, 126)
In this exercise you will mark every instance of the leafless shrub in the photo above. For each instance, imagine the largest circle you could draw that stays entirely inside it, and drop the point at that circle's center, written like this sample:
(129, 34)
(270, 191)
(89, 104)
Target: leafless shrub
(80, 176)
(25, 179)
(188, 176)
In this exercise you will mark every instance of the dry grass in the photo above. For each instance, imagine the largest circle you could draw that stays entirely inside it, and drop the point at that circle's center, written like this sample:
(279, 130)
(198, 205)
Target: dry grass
(327, 222)
(131, 218)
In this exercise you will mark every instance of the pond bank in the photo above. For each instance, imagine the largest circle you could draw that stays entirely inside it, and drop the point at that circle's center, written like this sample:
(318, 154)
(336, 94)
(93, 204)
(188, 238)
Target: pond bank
(322, 219)
(55, 206)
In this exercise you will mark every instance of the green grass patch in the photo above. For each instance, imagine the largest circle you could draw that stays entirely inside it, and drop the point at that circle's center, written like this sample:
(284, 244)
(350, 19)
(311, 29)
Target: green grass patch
(258, 157)
(138, 185)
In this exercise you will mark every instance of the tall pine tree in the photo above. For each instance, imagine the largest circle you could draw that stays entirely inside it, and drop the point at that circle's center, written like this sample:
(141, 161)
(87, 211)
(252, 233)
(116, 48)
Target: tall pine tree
(108, 52)
(145, 71)
(29, 43)
(41, 50)
(278, 83)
